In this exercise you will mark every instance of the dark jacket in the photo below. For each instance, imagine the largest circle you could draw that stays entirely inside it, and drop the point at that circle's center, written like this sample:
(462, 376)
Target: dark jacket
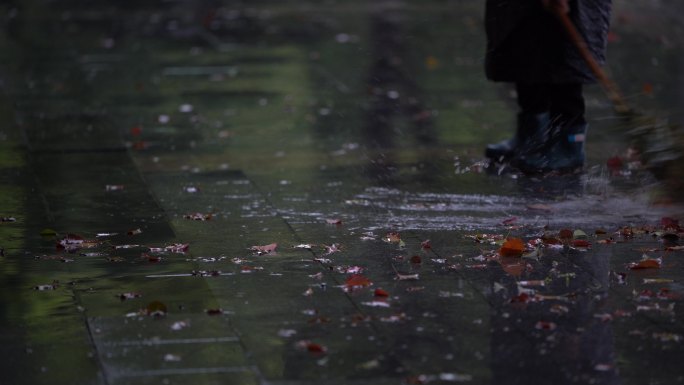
(527, 44)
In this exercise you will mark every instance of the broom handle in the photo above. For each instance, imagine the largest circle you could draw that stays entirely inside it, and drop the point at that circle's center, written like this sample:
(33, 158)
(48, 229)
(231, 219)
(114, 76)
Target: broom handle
(580, 44)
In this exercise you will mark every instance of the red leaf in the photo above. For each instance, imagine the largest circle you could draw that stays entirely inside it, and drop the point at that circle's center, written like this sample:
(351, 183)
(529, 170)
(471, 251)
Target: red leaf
(315, 348)
(581, 243)
(545, 325)
(357, 280)
(416, 259)
(426, 244)
(334, 221)
(565, 234)
(217, 311)
(151, 258)
(136, 130)
(645, 264)
(521, 298)
(381, 293)
(513, 247)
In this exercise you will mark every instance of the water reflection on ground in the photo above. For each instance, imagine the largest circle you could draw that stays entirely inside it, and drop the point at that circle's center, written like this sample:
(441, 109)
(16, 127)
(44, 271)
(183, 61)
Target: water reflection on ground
(293, 192)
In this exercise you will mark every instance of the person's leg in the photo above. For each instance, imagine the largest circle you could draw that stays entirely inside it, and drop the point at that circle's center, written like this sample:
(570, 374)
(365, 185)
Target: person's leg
(566, 104)
(533, 98)
(532, 125)
(564, 150)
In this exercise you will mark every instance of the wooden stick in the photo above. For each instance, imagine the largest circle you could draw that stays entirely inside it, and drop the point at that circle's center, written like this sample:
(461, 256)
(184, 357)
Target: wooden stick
(611, 89)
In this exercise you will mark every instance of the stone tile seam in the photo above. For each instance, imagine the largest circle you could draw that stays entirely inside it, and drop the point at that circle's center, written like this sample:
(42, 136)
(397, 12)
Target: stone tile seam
(155, 342)
(187, 371)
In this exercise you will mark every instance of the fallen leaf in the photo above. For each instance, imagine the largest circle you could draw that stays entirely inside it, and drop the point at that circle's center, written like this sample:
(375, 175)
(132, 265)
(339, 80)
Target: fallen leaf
(349, 269)
(178, 248)
(545, 325)
(191, 189)
(198, 216)
(53, 286)
(581, 243)
(311, 347)
(513, 247)
(134, 231)
(334, 248)
(305, 246)
(155, 309)
(334, 221)
(565, 234)
(179, 325)
(204, 273)
(649, 263)
(392, 237)
(357, 281)
(407, 277)
(266, 249)
(130, 295)
(380, 293)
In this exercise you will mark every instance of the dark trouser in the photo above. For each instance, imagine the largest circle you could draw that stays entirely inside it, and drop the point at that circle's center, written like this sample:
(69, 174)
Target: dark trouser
(564, 102)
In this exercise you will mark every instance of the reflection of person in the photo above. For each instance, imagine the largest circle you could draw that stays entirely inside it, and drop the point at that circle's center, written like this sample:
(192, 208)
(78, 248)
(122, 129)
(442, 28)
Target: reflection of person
(556, 332)
(527, 45)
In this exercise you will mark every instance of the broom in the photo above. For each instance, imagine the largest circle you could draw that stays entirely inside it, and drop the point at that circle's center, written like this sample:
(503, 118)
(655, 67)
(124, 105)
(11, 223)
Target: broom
(659, 157)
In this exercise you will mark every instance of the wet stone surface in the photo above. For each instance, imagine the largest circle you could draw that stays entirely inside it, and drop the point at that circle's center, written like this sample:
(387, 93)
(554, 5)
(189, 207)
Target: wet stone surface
(294, 193)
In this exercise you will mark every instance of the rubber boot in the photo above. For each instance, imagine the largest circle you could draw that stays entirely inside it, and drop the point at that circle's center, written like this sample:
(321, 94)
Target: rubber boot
(530, 134)
(563, 154)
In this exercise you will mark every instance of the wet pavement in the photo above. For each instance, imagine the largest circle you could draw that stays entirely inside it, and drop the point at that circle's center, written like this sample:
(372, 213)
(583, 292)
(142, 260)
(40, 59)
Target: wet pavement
(294, 193)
